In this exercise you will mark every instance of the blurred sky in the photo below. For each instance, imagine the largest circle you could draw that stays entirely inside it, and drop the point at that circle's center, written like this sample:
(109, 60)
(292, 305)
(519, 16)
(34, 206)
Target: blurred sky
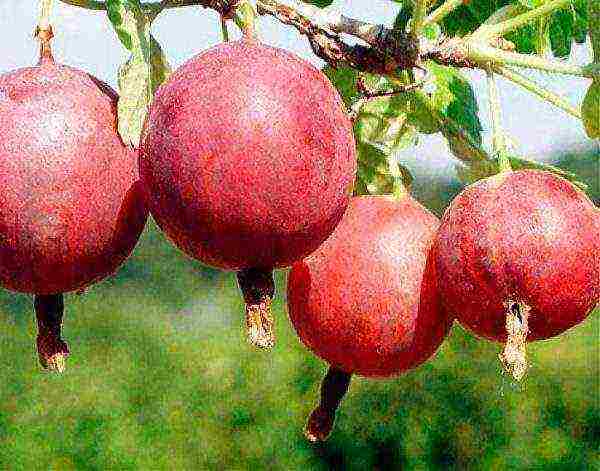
(85, 39)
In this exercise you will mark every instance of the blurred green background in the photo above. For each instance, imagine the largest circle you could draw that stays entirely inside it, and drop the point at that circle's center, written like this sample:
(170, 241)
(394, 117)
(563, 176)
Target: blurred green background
(160, 377)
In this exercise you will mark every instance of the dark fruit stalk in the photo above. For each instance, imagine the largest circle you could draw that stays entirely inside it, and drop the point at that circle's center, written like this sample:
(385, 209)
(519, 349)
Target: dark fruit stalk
(333, 389)
(44, 36)
(52, 350)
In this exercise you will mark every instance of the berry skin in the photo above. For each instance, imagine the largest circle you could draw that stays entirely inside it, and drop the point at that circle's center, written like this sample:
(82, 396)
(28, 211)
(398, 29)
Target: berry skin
(364, 301)
(248, 157)
(71, 207)
(519, 251)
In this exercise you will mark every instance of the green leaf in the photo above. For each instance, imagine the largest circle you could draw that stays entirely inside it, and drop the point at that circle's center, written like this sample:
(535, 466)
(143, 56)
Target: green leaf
(377, 172)
(319, 3)
(142, 73)
(125, 16)
(593, 9)
(390, 133)
(581, 22)
(451, 108)
(381, 129)
(344, 79)
(590, 110)
(557, 31)
(561, 32)
(404, 16)
(453, 98)
(137, 83)
(432, 31)
(469, 16)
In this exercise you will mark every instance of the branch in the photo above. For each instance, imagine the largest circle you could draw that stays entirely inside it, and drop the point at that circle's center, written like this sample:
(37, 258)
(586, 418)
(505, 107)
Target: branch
(222, 6)
(442, 11)
(388, 50)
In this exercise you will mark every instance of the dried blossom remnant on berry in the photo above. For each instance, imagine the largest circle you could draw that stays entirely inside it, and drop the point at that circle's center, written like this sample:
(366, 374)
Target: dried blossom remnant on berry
(514, 357)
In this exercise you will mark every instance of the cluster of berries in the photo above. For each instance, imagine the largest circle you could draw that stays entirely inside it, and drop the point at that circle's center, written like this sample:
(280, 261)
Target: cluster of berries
(247, 162)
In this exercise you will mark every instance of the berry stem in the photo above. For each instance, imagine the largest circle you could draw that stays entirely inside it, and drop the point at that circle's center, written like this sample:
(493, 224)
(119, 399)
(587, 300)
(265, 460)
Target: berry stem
(258, 288)
(442, 11)
(418, 17)
(538, 90)
(52, 350)
(500, 29)
(333, 389)
(45, 12)
(498, 139)
(43, 31)
(224, 30)
(245, 18)
(514, 356)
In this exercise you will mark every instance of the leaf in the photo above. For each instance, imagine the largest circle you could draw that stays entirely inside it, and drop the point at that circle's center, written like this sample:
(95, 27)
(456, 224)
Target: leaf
(468, 17)
(561, 32)
(557, 31)
(432, 31)
(404, 16)
(142, 73)
(137, 84)
(593, 9)
(344, 79)
(319, 3)
(590, 110)
(450, 107)
(125, 16)
(388, 133)
(375, 175)
(381, 129)
(453, 99)
(581, 22)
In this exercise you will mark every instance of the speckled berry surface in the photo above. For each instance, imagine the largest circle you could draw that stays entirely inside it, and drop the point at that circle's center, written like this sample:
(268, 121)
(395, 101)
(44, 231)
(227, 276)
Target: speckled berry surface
(71, 204)
(248, 157)
(526, 236)
(366, 301)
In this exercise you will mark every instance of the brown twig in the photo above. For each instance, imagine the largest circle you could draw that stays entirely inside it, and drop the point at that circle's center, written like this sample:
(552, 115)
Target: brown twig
(387, 51)
(383, 50)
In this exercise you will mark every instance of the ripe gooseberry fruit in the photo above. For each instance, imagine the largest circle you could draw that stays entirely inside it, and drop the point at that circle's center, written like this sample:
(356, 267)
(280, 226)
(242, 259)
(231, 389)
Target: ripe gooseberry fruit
(248, 157)
(71, 205)
(366, 301)
(518, 259)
